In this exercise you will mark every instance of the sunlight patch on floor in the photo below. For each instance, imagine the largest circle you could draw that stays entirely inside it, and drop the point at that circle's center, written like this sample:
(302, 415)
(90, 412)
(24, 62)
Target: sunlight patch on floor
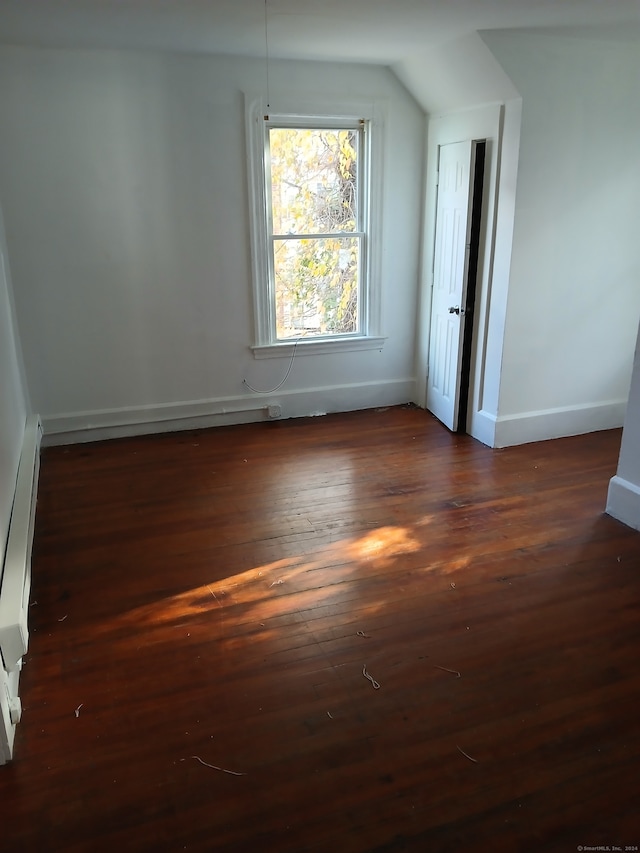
(279, 589)
(384, 542)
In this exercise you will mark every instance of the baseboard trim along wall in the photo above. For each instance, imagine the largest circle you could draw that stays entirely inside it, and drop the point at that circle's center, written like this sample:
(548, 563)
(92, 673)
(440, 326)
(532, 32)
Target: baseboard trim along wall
(558, 423)
(482, 426)
(76, 427)
(15, 585)
(623, 501)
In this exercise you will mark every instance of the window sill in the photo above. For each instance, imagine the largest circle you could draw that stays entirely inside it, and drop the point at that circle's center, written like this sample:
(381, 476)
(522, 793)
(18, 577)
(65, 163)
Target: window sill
(317, 347)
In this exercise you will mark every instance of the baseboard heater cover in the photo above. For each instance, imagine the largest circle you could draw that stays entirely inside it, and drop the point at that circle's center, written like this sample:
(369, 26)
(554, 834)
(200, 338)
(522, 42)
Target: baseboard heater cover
(15, 584)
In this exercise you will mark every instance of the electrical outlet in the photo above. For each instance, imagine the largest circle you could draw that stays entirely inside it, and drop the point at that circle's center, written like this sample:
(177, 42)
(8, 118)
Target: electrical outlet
(274, 411)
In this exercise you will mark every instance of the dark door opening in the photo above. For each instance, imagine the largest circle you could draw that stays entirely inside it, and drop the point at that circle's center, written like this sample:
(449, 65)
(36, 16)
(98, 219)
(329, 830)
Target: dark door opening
(472, 276)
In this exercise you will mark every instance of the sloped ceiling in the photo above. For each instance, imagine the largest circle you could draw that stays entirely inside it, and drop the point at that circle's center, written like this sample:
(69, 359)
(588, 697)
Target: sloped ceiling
(422, 40)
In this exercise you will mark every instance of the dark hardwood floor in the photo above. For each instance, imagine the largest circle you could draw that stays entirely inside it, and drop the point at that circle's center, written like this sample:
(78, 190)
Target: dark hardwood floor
(215, 595)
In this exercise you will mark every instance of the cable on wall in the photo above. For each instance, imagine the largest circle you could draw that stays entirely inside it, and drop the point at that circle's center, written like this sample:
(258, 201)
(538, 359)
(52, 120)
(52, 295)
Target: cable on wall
(280, 384)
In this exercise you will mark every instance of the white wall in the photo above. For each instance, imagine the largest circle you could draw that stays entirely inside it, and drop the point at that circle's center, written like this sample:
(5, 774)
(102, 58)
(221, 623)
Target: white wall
(623, 500)
(456, 75)
(574, 301)
(124, 182)
(13, 402)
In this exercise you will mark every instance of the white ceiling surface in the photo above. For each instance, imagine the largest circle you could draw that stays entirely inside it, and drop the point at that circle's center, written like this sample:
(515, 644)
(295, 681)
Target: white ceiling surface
(432, 45)
(378, 31)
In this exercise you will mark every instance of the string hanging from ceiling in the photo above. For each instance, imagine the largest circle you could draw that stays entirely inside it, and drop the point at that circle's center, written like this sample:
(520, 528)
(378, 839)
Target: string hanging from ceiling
(266, 51)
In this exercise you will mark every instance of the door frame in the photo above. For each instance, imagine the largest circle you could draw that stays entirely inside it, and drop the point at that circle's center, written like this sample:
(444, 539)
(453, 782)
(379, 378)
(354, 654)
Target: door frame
(499, 125)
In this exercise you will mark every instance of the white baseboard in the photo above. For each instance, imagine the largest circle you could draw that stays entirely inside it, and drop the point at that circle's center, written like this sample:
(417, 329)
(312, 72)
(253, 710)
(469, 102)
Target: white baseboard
(558, 423)
(347, 398)
(482, 426)
(102, 424)
(15, 585)
(16, 573)
(623, 501)
(10, 706)
(75, 427)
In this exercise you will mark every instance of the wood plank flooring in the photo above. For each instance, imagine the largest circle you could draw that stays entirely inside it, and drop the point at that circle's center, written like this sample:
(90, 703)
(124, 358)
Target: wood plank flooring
(218, 593)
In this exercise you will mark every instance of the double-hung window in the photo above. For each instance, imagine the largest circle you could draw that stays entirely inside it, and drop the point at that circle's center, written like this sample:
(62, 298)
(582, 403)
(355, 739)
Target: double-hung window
(314, 258)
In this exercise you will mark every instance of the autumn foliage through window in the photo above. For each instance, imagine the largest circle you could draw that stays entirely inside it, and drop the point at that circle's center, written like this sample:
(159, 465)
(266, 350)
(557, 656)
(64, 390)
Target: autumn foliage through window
(316, 230)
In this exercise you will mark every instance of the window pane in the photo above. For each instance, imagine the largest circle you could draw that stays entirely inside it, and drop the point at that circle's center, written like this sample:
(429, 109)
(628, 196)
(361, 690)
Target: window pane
(316, 286)
(313, 180)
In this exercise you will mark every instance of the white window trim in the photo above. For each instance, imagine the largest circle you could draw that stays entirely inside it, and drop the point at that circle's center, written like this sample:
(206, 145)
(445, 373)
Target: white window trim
(370, 336)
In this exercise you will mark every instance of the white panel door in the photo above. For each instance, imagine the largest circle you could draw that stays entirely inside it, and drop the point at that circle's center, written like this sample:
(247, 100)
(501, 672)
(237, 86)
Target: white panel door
(451, 260)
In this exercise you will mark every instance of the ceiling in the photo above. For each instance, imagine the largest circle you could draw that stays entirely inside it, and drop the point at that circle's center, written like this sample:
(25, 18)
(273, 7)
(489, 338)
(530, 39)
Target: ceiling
(384, 32)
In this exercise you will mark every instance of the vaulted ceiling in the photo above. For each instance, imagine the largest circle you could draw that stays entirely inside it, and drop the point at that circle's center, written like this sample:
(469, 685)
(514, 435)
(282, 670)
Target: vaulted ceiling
(433, 46)
(378, 31)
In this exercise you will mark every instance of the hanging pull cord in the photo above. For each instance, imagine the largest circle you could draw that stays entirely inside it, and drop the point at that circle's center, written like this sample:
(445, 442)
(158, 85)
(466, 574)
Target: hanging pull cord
(280, 384)
(266, 50)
